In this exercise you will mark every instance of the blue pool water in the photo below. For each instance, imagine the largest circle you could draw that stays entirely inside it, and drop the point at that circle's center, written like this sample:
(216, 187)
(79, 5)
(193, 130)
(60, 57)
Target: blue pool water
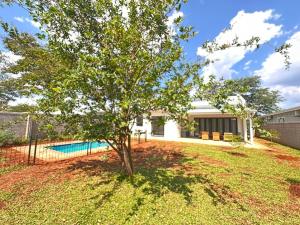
(76, 147)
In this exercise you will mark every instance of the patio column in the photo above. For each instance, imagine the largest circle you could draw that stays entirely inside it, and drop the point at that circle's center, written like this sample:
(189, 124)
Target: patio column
(251, 130)
(245, 130)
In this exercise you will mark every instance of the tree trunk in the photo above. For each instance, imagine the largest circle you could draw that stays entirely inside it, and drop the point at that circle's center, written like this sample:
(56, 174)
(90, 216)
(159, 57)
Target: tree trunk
(123, 150)
(126, 156)
(127, 161)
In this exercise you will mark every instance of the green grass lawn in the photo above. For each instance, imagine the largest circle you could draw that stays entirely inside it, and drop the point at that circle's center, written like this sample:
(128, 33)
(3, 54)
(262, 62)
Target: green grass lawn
(173, 184)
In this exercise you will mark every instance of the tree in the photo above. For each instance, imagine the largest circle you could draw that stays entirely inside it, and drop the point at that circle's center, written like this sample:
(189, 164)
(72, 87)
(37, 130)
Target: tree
(7, 89)
(120, 60)
(262, 99)
(21, 108)
(104, 63)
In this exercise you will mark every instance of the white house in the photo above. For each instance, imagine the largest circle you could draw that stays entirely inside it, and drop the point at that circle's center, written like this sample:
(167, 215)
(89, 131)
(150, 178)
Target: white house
(206, 117)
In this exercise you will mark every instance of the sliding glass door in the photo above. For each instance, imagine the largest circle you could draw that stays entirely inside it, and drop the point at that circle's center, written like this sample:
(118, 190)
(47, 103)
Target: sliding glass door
(215, 125)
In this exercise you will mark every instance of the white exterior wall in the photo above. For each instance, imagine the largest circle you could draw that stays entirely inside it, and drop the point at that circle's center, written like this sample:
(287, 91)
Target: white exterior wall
(240, 126)
(202, 109)
(172, 130)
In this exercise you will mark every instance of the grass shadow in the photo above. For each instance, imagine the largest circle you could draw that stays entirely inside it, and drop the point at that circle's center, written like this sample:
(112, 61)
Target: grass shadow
(158, 171)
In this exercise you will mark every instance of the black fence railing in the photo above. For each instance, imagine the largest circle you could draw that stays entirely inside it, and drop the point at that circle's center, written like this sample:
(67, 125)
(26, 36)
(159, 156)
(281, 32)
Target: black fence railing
(38, 151)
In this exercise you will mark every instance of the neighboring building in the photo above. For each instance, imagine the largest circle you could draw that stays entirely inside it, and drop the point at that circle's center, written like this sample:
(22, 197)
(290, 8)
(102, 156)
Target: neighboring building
(291, 115)
(206, 117)
(287, 124)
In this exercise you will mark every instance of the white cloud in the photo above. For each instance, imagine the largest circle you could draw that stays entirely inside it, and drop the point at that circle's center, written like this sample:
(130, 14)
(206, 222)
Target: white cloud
(33, 23)
(275, 75)
(290, 95)
(171, 19)
(28, 20)
(9, 58)
(23, 100)
(20, 19)
(244, 26)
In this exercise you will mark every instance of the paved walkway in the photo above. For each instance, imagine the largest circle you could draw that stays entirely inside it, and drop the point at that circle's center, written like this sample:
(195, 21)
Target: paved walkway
(211, 142)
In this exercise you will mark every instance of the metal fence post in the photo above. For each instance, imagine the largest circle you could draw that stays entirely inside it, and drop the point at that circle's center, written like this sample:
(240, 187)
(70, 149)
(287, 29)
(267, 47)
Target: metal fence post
(88, 149)
(139, 137)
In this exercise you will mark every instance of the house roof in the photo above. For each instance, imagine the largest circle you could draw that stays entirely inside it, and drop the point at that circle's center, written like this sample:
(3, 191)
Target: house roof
(284, 111)
(203, 107)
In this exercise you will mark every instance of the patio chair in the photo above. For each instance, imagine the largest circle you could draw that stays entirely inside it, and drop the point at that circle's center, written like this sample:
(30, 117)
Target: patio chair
(228, 136)
(216, 136)
(205, 135)
(138, 134)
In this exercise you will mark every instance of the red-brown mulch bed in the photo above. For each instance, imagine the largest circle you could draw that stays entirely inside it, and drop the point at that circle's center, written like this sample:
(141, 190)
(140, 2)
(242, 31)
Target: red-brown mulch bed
(149, 154)
(11, 157)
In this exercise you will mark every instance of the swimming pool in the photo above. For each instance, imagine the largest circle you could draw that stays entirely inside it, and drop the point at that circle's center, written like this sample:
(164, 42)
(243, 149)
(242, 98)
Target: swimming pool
(76, 147)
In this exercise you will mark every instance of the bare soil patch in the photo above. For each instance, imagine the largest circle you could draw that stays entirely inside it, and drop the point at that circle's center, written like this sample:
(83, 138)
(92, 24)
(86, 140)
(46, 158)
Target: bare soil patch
(209, 160)
(287, 158)
(291, 160)
(2, 205)
(294, 190)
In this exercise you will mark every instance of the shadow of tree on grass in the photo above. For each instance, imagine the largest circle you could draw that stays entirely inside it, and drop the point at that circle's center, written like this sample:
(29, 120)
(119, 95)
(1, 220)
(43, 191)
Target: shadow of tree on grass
(158, 171)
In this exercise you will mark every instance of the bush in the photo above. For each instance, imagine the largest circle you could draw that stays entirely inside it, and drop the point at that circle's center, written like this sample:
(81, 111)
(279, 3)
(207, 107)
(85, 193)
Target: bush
(269, 134)
(6, 137)
(9, 138)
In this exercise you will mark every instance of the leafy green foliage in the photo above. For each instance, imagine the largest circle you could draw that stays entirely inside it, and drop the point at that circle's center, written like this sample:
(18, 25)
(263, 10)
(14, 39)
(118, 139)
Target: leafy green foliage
(21, 108)
(7, 137)
(262, 99)
(269, 134)
(259, 98)
(7, 91)
(105, 63)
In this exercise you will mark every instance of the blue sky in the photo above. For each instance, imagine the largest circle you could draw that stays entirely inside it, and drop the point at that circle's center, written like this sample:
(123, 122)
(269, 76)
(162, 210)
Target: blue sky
(274, 21)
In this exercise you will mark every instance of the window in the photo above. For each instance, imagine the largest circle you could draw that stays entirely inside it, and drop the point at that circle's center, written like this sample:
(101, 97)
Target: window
(139, 121)
(158, 127)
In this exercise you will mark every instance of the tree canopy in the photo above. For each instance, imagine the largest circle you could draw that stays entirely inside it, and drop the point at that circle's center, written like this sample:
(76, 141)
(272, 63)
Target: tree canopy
(262, 99)
(106, 63)
(7, 88)
(259, 98)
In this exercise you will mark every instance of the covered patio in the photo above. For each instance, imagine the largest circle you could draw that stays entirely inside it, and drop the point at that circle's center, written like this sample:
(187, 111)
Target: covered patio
(210, 125)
